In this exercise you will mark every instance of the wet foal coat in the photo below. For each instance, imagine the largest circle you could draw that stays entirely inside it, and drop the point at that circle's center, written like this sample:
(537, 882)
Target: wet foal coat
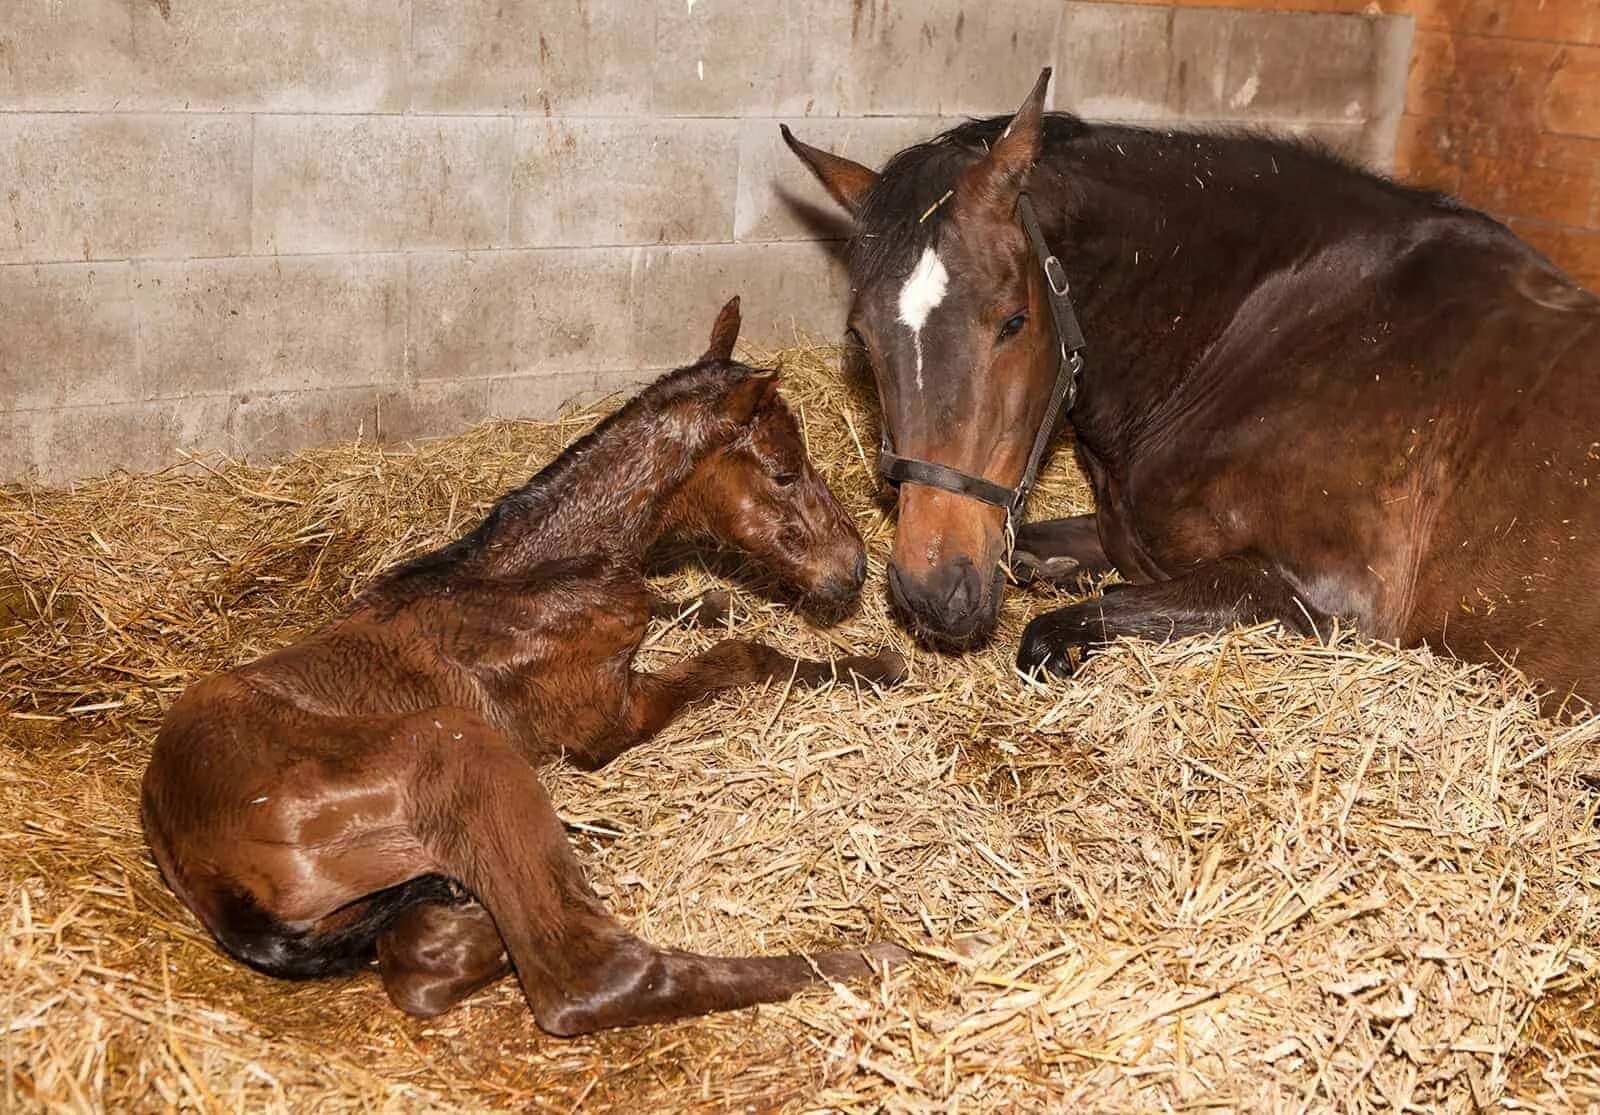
(1309, 393)
(371, 790)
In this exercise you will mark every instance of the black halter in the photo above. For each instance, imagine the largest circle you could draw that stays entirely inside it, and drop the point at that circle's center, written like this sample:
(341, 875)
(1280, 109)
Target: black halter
(898, 470)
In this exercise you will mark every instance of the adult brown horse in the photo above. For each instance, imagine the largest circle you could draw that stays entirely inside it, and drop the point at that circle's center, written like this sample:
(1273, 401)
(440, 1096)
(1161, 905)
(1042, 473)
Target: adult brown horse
(371, 790)
(1308, 392)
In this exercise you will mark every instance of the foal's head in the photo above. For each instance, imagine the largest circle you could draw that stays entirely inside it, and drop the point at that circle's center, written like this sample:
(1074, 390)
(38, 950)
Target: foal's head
(755, 489)
(952, 315)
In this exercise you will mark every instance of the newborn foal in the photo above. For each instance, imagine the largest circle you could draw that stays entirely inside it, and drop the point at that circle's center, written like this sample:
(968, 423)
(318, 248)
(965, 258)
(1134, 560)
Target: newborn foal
(372, 788)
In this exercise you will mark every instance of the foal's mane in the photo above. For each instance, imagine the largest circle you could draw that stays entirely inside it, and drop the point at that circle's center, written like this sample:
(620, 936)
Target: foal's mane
(907, 205)
(631, 430)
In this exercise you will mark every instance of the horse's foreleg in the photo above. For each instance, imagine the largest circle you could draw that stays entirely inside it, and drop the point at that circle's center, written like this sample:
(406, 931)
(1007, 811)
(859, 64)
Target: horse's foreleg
(1059, 550)
(1208, 598)
(488, 822)
(653, 700)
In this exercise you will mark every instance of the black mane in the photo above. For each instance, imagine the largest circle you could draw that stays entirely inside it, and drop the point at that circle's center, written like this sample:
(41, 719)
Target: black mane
(630, 425)
(906, 206)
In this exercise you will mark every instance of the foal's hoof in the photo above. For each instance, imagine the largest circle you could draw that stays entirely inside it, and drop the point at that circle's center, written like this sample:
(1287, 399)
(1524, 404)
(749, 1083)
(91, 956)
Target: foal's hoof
(886, 668)
(714, 608)
(860, 963)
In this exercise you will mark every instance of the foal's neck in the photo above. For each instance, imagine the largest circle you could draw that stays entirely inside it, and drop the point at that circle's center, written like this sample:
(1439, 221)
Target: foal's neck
(608, 494)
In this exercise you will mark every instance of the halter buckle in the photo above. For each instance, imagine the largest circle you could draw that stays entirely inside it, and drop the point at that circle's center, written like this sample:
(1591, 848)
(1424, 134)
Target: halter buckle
(1056, 276)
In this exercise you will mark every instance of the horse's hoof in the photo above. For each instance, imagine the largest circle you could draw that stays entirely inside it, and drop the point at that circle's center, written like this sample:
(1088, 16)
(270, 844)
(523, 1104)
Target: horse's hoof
(1028, 568)
(1043, 652)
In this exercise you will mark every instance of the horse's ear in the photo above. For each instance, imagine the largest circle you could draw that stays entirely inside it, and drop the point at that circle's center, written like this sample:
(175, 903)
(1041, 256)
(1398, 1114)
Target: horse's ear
(724, 333)
(745, 399)
(999, 176)
(847, 181)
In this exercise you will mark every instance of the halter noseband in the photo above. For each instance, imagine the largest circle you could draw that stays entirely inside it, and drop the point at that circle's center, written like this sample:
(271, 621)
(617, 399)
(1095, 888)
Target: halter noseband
(897, 470)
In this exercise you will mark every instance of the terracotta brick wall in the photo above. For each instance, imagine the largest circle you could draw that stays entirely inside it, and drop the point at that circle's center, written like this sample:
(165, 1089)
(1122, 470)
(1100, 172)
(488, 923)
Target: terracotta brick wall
(1502, 109)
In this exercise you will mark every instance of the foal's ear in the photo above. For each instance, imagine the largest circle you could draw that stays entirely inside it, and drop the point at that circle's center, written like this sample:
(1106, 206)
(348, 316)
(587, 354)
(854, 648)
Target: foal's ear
(745, 399)
(999, 176)
(724, 333)
(848, 182)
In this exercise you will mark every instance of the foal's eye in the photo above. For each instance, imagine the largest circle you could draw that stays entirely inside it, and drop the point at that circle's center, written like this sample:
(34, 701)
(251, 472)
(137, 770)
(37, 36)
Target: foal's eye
(785, 479)
(1012, 327)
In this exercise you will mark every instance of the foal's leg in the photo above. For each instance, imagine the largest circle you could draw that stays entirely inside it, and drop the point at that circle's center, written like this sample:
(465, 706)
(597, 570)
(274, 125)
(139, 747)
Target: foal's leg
(1210, 597)
(654, 699)
(486, 820)
(436, 954)
(1058, 550)
(709, 611)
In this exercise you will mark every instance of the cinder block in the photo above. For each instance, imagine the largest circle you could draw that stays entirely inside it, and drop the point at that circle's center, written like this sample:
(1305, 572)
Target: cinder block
(542, 395)
(620, 181)
(1199, 44)
(736, 58)
(363, 183)
(779, 199)
(1300, 66)
(210, 326)
(1115, 62)
(787, 290)
(82, 187)
(559, 57)
(498, 314)
(66, 335)
(1001, 46)
(941, 57)
(140, 437)
(270, 425)
(66, 56)
(283, 55)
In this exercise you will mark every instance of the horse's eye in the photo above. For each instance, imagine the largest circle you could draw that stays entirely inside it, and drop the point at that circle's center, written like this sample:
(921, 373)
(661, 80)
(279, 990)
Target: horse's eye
(1012, 327)
(785, 479)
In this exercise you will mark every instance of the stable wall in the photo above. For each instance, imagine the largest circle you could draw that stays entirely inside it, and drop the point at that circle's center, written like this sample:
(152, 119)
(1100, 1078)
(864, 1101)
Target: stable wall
(1502, 108)
(255, 225)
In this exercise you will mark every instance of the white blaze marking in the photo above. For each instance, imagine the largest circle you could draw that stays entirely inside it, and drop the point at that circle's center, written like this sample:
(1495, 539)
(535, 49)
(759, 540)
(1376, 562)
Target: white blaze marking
(923, 292)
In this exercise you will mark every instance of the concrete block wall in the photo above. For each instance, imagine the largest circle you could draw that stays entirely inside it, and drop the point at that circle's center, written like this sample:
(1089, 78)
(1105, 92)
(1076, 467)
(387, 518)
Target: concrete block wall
(253, 225)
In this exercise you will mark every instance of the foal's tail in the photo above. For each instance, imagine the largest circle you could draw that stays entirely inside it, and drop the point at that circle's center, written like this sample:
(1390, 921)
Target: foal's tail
(487, 821)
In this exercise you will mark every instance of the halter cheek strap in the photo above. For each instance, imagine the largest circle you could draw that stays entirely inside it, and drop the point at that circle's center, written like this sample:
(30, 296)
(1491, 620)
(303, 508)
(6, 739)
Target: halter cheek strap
(899, 470)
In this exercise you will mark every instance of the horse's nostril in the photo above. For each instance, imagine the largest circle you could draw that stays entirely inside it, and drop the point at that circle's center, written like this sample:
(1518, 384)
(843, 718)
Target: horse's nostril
(963, 596)
(861, 570)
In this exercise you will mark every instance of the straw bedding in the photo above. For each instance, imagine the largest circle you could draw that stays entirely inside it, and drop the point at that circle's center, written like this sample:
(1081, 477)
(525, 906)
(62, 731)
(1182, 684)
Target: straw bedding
(1236, 872)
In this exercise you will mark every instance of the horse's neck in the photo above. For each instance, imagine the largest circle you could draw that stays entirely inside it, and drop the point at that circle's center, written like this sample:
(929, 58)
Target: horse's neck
(1157, 274)
(608, 494)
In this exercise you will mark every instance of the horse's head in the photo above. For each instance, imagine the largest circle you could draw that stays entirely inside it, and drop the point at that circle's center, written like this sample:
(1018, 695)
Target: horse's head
(756, 491)
(953, 317)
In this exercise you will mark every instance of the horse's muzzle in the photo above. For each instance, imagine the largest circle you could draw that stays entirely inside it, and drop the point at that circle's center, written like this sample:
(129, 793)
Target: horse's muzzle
(951, 608)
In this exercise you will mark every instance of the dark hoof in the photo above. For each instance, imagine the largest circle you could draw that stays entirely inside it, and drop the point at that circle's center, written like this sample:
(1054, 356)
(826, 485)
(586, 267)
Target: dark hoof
(1047, 650)
(1028, 568)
